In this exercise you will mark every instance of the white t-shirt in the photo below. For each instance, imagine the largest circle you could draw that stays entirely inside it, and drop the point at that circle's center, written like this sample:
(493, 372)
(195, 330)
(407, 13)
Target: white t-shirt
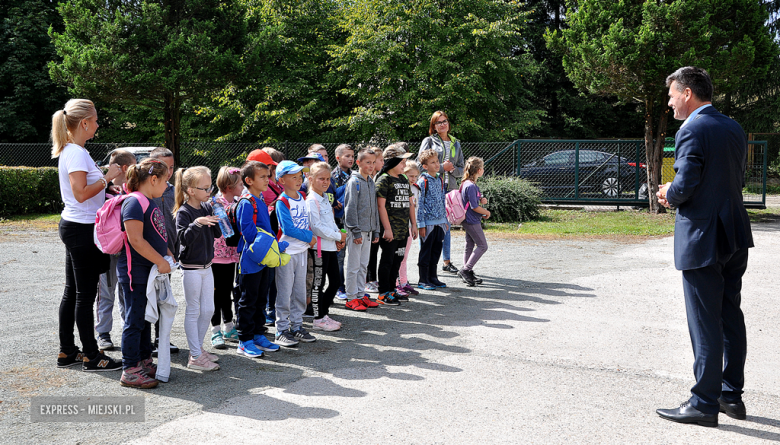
(75, 158)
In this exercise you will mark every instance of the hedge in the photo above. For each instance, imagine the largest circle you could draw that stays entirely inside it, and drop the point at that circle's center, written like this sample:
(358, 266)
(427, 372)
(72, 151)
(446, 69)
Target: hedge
(510, 199)
(29, 190)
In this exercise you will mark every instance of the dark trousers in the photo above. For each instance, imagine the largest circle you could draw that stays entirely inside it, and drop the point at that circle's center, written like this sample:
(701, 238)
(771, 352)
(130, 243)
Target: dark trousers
(137, 334)
(325, 267)
(83, 265)
(372, 261)
(390, 262)
(224, 276)
(430, 251)
(250, 319)
(342, 283)
(271, 291)
(717, 328)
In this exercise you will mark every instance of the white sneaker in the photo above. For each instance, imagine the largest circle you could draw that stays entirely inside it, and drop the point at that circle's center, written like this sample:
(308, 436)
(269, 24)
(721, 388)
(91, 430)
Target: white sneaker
(202, 363)
(341, 295)
(337, 323)
(372, 287)
(324, 325)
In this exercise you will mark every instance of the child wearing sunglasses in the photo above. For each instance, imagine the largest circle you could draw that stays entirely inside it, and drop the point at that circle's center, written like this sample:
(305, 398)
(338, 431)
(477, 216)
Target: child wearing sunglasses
(197, 227)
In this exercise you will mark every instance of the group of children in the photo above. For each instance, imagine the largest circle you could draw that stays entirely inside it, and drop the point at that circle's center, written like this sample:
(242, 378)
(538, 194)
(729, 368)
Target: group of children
(305, 234)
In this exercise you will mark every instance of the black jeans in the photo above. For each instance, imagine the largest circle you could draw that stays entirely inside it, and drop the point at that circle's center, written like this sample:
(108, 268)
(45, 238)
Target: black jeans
(325, 267)
(372, 261)
(224, 275)
(390, 262)
(250, 319)
(83, 265)
(430, 251)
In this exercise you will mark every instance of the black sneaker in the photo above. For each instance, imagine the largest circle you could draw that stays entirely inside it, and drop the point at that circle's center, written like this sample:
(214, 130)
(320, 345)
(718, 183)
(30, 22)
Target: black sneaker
(67, 360)
(477, 279)
(467, 277)
(100, 363)
(303, 335)
(388, 299)
(174, 348)
(449, 268)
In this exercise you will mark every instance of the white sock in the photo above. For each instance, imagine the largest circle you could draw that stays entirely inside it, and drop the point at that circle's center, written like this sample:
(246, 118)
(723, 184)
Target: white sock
(215, 329)
(228, 326)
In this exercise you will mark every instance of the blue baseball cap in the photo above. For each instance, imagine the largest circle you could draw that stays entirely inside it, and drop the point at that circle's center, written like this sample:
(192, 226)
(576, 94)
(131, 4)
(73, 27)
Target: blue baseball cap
(288, 168)
(314, 156)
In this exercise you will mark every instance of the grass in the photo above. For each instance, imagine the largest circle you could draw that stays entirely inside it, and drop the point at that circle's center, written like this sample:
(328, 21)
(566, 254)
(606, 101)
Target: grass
(628, 224)
(34, 221)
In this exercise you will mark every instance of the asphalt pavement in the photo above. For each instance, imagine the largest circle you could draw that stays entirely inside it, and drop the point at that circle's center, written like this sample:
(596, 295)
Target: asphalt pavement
(567, 341)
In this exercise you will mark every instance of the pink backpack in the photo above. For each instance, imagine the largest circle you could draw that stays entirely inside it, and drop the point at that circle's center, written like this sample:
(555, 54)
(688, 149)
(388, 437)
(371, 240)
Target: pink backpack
(109, 236)
(453, 204)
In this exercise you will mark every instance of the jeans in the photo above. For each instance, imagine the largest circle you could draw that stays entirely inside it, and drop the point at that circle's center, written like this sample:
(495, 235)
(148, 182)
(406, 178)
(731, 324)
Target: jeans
(137, 334)
(446, 244)
(83, 265)
(430, 251)
(107, 295)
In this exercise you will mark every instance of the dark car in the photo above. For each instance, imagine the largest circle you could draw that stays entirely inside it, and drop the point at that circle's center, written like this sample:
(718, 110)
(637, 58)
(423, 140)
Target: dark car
(601, 174)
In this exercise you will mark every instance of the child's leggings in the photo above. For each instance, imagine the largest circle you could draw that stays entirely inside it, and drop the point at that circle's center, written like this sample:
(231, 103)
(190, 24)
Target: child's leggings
(474, 236)
(199, 293)
(325, 267)
(224, 276)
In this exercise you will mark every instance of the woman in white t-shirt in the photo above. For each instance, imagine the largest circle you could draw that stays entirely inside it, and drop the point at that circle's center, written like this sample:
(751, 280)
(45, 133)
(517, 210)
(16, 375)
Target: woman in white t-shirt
(82, 186)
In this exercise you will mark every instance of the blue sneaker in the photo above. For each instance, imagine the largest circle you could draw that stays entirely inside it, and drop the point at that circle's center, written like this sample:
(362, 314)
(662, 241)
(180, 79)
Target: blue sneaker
(263, 344)
(270, 317)
(426, 286)
(249, 349)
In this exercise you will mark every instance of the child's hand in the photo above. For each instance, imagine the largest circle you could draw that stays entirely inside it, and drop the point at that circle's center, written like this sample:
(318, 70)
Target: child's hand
(207, 220)
(343, 237)
(339, 246)
(163, 267)
(358, 240)
(487, 215)
(388, 235)
(313, 241)
(414, 233)
(422, 231)
(483, 201)
(376, 240)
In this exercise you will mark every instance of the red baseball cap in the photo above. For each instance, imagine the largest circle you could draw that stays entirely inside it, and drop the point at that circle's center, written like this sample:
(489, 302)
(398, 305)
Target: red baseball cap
(261, 156)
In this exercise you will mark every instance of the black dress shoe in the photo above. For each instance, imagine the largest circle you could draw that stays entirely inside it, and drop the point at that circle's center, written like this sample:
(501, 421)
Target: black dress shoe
(688, 414)
(733, 410)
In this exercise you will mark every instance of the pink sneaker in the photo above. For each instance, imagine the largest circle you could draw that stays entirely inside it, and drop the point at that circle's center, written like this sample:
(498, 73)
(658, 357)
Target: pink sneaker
(332, 320)
(210, 356)
(410, 290)
(324, 325)
(149, 367)
(202, 363)
(136, 377)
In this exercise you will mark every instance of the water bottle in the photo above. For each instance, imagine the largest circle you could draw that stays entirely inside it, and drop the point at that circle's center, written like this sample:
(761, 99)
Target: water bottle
(224, 222)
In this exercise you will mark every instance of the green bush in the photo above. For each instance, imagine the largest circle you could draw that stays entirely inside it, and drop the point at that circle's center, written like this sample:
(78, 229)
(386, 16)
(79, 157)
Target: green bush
(29, 190)
(510, 199)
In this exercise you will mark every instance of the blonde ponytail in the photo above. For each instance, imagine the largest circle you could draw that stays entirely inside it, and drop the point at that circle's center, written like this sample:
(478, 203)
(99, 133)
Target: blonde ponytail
(64, 122)
(186, 178)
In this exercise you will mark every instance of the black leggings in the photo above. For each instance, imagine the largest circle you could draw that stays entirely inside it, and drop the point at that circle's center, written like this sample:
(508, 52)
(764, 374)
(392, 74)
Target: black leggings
(372, 261)
(327, 266)
(224, 274)
(83, 265)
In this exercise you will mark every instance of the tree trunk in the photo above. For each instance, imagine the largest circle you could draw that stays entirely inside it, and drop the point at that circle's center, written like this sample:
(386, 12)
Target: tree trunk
(653, 154)
(172, 116)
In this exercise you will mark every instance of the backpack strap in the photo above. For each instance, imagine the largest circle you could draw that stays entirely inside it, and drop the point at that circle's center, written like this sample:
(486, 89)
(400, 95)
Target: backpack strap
(251, 199)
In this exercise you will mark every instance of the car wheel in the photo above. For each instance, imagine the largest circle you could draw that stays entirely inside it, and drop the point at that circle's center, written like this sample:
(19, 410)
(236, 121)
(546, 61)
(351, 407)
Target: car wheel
(609, 187)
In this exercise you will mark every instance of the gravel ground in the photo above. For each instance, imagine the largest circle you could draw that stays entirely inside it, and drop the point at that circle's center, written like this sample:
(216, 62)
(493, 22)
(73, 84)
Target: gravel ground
(567, 340)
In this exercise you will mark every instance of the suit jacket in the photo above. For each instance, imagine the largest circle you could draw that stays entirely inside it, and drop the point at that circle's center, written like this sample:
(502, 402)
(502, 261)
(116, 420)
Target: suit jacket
(710, 156)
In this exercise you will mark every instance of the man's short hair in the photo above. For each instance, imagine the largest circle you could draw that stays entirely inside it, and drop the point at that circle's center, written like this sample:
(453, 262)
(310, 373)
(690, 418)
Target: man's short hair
(694, 78)
(161, 152)
(342, 148)
(363, 153)
(122, 157)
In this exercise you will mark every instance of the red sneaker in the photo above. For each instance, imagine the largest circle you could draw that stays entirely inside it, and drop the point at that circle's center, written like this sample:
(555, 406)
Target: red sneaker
(356, 305)
(367, 302)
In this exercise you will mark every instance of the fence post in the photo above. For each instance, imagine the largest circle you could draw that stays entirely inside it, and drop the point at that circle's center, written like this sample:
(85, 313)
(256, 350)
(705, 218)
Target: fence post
(636, 172)
(517, 173)
(763, 180)
(577, 170)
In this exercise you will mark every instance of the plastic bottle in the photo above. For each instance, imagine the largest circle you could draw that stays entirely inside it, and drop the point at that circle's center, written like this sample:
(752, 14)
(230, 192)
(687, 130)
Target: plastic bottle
(224, 222)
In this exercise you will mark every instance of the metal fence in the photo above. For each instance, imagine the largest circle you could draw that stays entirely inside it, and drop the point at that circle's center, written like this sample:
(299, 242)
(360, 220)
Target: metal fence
(607, 172)
(582, 172)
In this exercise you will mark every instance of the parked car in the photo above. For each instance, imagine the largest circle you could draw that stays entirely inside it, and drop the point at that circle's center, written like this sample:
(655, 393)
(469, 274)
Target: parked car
(140, 153)
(601, 174)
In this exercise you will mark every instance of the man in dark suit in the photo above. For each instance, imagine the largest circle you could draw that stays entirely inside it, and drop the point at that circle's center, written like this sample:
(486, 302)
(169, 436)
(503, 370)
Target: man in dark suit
(711, 240)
